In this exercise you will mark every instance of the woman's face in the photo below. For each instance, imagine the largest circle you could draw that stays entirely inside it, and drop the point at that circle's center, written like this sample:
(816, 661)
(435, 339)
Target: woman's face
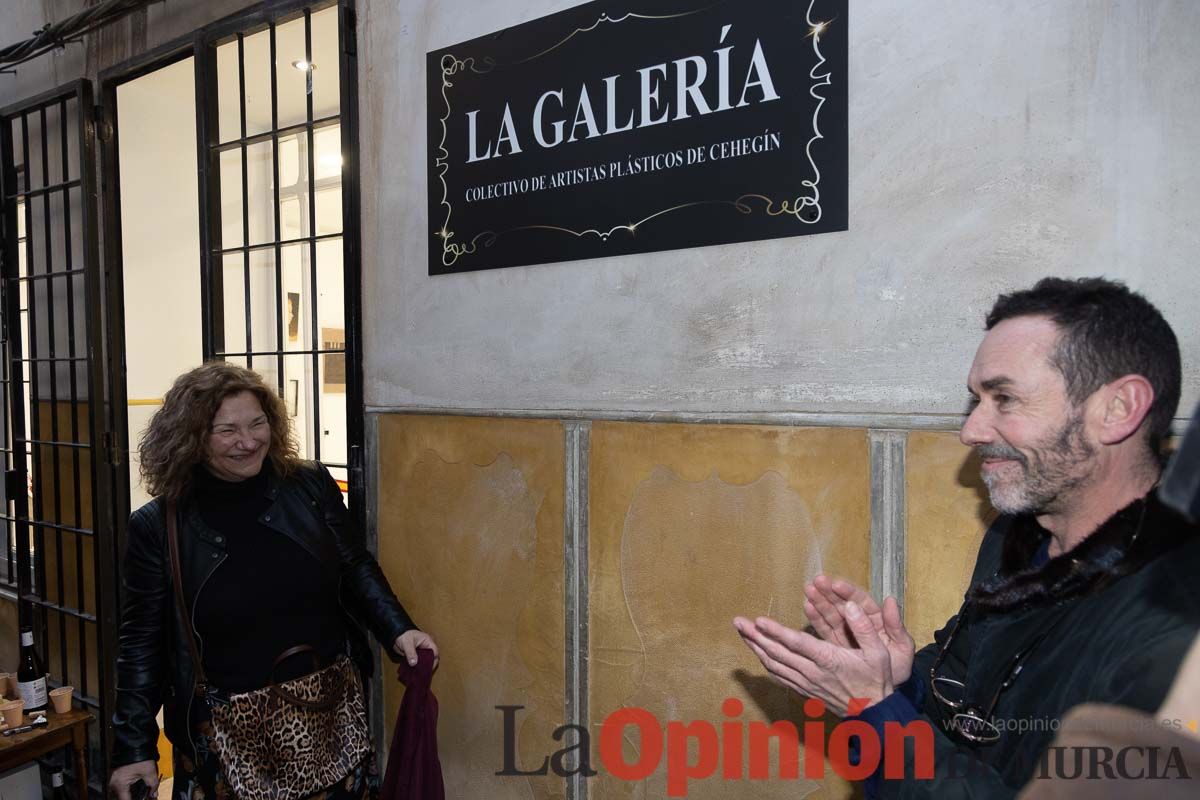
(239, 438)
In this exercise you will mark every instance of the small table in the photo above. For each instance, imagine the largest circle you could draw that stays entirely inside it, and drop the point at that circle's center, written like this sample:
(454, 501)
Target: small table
(61, 730)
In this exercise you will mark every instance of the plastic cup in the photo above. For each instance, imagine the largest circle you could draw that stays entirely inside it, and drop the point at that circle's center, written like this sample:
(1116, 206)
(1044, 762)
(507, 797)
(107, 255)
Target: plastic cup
(14, 711)
(61, 698)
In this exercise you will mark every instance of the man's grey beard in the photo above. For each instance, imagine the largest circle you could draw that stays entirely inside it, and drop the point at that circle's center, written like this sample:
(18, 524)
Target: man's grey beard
(1048, 475)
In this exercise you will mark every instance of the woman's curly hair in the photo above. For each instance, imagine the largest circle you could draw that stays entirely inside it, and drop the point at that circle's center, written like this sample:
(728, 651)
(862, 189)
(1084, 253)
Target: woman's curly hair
(177, 438)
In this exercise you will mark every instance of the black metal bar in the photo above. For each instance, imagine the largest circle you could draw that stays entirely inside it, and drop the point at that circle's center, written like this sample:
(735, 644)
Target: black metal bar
(143, 64)
(114, 285)
(352, 263)
(32, 104)
(257, 18)
(267, 136)
(314, 311)
(278, 227)
(41, 602)
(104, 551)
(270, 353)
(10, 243)
(212, 280)
(42, 190)
(245, 195)
(51, 526)
(228, 251)
(74, 391)
(25, 611)
(61, 360)
(43, 585)
(53, 443)
(59, 274)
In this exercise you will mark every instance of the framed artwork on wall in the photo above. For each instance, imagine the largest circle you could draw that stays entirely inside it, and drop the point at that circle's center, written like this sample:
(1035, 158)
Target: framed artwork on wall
(334, 380)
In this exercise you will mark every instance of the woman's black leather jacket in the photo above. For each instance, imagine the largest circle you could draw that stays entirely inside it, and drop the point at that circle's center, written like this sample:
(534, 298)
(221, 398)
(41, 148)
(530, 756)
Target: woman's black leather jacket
(153, 665)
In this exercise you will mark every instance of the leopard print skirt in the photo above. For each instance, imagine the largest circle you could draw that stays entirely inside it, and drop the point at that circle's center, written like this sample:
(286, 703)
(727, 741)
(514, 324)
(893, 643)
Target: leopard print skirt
(202, 779)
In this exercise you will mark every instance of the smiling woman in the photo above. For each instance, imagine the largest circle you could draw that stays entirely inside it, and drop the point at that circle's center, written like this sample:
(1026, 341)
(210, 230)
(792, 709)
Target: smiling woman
(256, 551)
(240, 438)
(206, 419)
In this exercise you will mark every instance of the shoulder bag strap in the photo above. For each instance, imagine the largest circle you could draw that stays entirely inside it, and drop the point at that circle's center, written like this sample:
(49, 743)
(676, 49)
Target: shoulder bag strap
(282, 691)
(201, 685)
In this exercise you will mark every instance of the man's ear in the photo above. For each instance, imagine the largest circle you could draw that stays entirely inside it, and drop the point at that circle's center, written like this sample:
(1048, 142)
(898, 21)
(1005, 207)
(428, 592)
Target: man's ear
(1125, 402)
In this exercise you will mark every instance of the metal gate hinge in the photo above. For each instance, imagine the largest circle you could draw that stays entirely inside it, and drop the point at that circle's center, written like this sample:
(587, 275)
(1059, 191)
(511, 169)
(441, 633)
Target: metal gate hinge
(111, 451)
(104, 128)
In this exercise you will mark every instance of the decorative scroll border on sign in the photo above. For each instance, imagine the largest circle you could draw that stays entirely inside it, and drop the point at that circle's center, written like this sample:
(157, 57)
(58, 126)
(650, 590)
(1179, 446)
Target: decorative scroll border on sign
(805, 207)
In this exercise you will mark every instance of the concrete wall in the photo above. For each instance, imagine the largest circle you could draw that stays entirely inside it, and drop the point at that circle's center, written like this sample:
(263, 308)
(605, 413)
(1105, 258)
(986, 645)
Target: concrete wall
(990, 144)
(133, 35)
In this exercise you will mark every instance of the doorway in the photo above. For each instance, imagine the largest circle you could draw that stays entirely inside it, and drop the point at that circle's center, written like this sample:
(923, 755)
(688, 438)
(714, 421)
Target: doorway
(234, 207)
(228, 218)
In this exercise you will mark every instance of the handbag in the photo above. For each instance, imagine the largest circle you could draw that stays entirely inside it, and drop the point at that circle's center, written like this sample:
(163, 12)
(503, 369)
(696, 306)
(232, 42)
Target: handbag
(286, 740)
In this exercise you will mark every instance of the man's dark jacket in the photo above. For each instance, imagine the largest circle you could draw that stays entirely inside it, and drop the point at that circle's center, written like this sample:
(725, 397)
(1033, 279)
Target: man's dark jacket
(153, 666)
(1116, 615)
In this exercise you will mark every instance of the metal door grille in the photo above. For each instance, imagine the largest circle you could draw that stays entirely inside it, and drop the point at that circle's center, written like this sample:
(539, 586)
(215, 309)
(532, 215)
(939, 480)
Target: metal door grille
(276, 275)
(57, 527)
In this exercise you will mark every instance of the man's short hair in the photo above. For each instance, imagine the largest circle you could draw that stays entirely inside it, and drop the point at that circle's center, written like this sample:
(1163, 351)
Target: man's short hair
(1106, 331)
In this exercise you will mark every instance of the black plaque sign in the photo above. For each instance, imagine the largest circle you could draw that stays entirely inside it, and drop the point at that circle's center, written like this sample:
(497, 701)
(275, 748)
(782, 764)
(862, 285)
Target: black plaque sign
(616, 128)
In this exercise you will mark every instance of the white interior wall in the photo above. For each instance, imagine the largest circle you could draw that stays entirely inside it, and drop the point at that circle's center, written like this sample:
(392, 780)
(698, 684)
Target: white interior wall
(990, 144)
(160, 241)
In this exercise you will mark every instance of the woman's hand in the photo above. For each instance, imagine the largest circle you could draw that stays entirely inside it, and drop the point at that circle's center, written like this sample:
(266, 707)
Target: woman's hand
(406, 645)
(123, 777)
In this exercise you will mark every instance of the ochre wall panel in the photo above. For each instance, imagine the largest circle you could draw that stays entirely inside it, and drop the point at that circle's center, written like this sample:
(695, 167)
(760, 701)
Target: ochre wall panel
(10, 639)
(471, 537)
(948, 511)
(690, 525)
(62, 494)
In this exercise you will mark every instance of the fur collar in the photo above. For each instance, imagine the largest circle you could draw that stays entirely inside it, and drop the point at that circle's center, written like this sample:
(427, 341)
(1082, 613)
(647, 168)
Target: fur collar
(1137, 534)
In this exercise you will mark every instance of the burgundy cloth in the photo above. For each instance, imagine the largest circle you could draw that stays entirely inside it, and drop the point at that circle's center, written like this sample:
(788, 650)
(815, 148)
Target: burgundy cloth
(413, 769)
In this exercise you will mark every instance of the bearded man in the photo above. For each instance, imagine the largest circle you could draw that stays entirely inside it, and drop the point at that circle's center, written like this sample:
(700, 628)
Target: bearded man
(1085, 589)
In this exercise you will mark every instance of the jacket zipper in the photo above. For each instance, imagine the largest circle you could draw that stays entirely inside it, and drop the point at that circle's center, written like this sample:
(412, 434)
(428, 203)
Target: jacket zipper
(200, 644)
(350, 618)
(199, 652)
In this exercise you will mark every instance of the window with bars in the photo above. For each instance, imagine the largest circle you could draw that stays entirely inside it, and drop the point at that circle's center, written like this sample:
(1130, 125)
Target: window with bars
(278, 276)
(56, 522)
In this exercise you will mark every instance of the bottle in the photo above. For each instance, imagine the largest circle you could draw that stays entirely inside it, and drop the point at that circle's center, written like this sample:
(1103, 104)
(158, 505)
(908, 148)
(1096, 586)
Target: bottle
(31, 678)
(57, 790)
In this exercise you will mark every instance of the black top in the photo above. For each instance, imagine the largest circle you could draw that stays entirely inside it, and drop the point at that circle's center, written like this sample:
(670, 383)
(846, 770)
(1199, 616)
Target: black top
(268, 595)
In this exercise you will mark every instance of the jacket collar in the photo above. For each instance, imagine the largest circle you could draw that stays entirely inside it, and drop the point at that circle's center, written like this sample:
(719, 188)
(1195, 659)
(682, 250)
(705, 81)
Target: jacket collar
(271, 487)
(1137, 534)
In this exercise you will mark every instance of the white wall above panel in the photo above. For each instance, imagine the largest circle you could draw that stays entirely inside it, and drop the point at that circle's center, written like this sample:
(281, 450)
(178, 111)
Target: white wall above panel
(991, 144)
